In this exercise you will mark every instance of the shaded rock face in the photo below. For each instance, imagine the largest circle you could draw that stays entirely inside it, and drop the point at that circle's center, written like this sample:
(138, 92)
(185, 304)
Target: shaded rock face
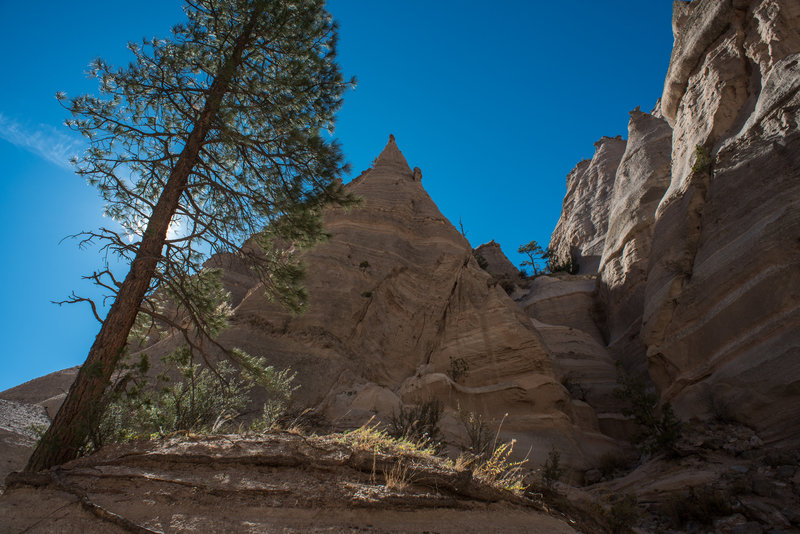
(498, 263)
(19, 424)
(641, 180)
(722, 311)
(580, 232)
(561, 308)
(700, 262)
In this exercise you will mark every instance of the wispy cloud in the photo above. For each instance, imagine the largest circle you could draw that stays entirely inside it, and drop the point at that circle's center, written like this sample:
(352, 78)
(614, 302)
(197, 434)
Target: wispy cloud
(42, 140)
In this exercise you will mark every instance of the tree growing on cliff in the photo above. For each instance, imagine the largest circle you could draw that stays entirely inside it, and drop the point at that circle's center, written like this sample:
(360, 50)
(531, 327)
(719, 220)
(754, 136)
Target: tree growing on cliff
(205, 140)
(533, 251)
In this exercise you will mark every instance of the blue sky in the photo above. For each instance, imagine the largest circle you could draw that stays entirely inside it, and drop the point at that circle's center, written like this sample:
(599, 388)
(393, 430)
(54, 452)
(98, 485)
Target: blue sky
(494, 101)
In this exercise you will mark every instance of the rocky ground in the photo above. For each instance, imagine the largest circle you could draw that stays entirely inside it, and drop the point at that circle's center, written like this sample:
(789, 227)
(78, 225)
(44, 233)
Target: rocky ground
(720, 478)
(279, 482)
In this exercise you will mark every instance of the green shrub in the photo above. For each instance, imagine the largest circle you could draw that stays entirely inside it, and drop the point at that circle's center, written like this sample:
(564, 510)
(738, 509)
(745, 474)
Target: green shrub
(698, 505)
(418, 424)
(575, 388)
(552, 470)
(623, 514)
(202, 399)
(556, 265)
(366, 294)
(459, 368)
(508, 285)
(482, 263)
(479, 433)
(610, 464)
(658, 429)
(499, 470)
(703, 161)
(364, 265)
(567, 266)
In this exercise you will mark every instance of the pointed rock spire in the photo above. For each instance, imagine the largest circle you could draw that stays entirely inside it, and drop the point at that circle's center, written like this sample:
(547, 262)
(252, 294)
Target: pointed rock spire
(392, 160)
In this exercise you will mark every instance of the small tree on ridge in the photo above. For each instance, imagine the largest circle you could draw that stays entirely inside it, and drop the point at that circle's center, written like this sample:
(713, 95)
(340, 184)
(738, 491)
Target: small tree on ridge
(533, 251)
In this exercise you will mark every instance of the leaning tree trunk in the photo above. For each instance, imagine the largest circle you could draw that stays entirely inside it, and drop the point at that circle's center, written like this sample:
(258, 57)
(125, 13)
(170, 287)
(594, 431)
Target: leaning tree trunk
(82, 408)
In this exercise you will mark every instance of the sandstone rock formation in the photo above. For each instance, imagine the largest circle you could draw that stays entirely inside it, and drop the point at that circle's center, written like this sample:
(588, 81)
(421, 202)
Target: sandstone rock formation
(562, 307)
(19, 424)
(498, 264)
(395, 298)
(700, 265)
(641, 180)
(722, 310)
(581, 230)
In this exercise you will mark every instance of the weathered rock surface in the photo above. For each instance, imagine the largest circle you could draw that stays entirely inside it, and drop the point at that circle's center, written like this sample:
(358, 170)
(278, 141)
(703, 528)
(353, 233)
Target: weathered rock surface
(580, 232)
(722, 305)
(271, 483)
(396, 297)
(19, 427)
(47, 391)
(700, 267)
(498, 262)
(641, 180)
(562, 308)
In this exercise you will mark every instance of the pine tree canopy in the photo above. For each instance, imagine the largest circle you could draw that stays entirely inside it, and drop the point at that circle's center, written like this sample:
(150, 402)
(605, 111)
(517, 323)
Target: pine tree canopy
(208, 142)
(264, 157)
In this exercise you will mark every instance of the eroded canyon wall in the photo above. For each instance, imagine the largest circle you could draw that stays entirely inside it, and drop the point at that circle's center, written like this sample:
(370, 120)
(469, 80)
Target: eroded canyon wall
(722, 313)
(699, 273)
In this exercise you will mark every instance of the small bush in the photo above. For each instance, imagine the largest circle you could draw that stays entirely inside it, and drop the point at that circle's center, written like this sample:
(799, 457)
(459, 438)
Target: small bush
(478, 432)
(702, 160)
(552, 470)
(699, 505)
(202, 400)
(575, 388)
(459, 368)
(369, 437)
(500, 471)
(508, 285)
(658, 430)
(555, 265)
(418, 424)
(482, 263)
(567, 266)
(398, 478)
(611, 464)
(623, 514)
(364, 265)
(366, 294)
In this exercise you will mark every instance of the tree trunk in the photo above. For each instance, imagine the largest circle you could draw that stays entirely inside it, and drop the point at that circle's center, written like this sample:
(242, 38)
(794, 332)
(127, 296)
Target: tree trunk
(83, 407)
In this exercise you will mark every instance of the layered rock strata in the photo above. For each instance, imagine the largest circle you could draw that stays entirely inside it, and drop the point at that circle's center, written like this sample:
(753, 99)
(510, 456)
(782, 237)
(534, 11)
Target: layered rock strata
(396, 299)
(581, 230)
(700, 265)
(641, 180)
(271, 483)
(400, 313)
(498, 263)
(722, 311)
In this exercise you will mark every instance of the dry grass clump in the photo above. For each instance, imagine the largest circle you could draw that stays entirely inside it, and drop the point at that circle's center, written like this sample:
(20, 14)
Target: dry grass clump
(497, 469)
(370, 437)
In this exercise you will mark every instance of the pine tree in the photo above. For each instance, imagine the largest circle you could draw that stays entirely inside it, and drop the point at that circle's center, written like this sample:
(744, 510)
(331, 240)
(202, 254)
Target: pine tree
(205, 140)
(533, 251)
